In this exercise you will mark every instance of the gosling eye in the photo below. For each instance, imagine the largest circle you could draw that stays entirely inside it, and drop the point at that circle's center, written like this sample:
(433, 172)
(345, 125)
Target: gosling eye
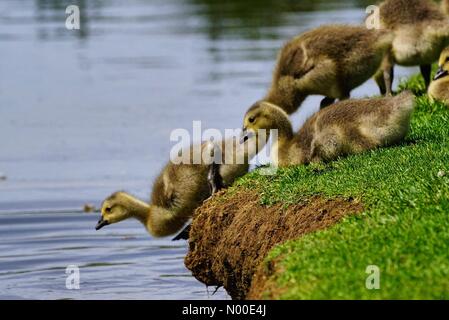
(447, 59)
(108, 210)
(251, 119)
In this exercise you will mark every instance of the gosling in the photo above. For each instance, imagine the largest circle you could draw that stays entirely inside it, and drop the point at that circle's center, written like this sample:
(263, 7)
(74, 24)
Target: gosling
(421, 32)
(330, 60)
(439, 87)
(347, 127)
(179, 190)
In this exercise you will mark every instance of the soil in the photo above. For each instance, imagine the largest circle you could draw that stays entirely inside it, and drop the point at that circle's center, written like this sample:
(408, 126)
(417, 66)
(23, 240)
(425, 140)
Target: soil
(232, 233)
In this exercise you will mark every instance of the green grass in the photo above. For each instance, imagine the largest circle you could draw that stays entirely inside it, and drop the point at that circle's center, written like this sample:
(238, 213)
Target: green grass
(404, 229)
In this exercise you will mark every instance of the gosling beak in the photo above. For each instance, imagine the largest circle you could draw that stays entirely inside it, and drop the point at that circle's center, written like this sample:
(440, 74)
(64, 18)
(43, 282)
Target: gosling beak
(246, 135)
(440, 73)
(101, 223)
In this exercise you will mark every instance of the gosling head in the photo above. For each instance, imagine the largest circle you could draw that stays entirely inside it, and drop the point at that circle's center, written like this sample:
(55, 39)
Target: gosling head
(114, 209)
(443, 65)
(263, 115)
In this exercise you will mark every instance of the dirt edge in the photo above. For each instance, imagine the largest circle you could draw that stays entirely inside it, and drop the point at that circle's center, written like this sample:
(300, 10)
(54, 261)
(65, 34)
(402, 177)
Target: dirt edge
(232, 233)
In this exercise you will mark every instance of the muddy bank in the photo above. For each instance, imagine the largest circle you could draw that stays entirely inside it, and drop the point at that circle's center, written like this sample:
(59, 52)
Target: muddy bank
(232, 233)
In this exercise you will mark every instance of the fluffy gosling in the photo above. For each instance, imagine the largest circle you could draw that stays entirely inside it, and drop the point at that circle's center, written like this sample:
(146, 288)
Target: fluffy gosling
(330, 60)
(347, 127)
(177, 192)
(421, 32)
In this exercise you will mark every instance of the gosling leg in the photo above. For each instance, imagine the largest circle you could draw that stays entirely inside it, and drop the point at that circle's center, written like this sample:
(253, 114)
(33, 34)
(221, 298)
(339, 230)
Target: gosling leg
(184, 234)
(214, 179)
(388, 78)
(379, 77)
(385, 75)
(384, 80)
(425, 71)
(327, 101)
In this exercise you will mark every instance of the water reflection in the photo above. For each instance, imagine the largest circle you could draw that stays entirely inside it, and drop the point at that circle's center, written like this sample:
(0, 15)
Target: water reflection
(250, 19)
(259, 19)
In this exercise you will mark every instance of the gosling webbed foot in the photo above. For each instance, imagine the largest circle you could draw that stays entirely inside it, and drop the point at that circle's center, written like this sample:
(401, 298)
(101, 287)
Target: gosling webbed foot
(184, 234)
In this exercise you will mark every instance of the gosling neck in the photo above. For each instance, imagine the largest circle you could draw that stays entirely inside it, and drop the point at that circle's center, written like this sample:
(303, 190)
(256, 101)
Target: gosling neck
(285, 95)
(281, 123)
(137, 208)
(158, 221)
(284, 137)
(285, 131)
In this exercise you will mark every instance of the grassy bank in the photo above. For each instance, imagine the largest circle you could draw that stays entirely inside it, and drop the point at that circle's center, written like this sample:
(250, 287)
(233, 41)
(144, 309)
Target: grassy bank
(404, 229)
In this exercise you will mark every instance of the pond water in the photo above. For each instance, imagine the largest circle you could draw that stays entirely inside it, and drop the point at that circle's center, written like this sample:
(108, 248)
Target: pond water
(87, 112)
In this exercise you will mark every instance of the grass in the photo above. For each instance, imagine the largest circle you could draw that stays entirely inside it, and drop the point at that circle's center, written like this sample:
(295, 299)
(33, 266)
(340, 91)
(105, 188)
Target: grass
(404, 229)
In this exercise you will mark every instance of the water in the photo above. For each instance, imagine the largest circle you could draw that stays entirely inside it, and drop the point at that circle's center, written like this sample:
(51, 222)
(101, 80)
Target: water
(87, 112)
